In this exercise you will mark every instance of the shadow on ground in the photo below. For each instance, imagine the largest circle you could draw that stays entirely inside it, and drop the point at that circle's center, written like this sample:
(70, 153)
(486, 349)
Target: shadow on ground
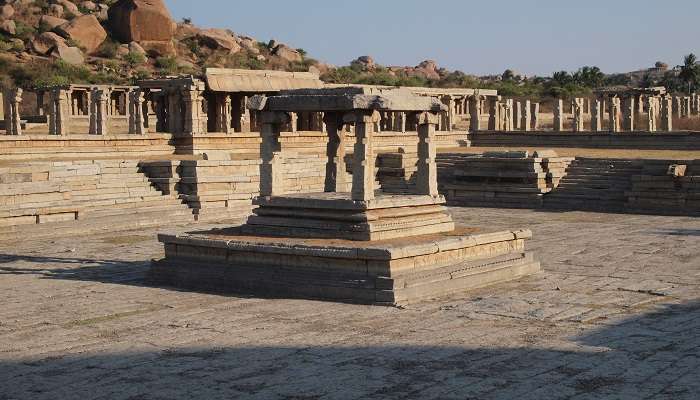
(651, 356)
(78, 269)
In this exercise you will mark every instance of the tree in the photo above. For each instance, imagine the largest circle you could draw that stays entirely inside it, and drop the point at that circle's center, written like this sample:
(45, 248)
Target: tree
(590, 77)
(690, 72)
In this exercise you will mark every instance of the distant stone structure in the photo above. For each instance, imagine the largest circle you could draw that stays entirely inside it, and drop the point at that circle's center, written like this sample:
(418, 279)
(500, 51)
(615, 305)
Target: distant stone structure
(331, 238)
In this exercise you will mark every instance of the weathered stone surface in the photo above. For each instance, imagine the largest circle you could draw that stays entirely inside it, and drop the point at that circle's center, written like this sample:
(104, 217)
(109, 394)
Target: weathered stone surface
(134, 47)
(6, 12)
(219, 39)
(8, 26)
(141, 21)
(51, 23)
(86, 30)
(55, 10)
(71, 55)
(250, 44)
(287, 53)
(600, 322)
(46, 42)
(70, 7)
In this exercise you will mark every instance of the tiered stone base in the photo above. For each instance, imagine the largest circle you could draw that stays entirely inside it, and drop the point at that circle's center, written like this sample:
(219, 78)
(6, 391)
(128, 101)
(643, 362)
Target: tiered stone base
(391, 272)
(335, 215)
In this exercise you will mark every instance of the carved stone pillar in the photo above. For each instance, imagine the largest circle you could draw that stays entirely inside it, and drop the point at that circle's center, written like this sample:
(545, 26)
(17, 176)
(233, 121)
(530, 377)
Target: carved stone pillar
(526, 116)
(517, 117)
(363, 163)
(194, 120)
(628, 110)
(535, 116)
(558, 115)
(494, 114)
(12, 103)
(475, 111)
(99, 117)
(652, 113)
(137, 124)
(615, 115)
(597, 116)
(336, 175)
(174, 112)
(59, 112)
(223, 113)
(271, 178)
(450, 101)
(426, 175)
(577, 110)
(667, 113)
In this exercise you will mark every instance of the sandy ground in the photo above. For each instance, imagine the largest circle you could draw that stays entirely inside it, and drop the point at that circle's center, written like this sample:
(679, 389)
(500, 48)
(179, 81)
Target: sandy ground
(616, 315)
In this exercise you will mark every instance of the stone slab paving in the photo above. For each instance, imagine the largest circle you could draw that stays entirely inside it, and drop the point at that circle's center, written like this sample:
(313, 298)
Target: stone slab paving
(616, 315)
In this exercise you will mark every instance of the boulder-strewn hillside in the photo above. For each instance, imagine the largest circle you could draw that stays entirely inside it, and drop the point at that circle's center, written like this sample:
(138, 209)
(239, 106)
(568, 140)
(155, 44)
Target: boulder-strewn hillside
(46, 42)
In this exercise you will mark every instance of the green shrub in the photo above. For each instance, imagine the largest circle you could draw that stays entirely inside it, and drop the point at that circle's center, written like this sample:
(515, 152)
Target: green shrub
(108, 49)
(167, 65)
(135, 58)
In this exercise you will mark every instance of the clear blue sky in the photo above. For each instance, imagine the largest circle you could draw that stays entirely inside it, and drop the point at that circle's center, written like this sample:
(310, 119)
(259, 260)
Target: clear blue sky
(478, 37)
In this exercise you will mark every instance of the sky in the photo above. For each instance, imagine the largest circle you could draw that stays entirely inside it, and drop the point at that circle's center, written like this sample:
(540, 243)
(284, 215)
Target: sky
(535, 37)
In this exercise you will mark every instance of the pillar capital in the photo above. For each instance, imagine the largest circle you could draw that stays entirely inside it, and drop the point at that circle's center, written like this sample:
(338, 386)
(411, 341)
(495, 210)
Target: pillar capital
(428, 118)
(275, 117)
(366, 116)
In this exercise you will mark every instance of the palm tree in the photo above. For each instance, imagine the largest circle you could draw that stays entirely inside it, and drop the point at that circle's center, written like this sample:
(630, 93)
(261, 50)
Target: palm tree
(690, 72)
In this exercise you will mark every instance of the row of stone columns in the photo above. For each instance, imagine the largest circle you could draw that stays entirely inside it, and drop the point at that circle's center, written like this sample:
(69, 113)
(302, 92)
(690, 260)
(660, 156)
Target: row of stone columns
(363, 178)
(621, 113)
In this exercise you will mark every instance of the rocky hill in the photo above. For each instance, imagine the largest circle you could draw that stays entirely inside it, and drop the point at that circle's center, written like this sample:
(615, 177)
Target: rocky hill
(49, 42)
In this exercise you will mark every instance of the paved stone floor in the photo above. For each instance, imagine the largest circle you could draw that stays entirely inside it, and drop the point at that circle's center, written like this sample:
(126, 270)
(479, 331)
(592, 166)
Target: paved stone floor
(616, 315)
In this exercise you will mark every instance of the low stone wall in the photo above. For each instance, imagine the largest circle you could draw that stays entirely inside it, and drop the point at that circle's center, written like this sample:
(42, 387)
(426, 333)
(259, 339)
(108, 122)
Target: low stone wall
(46, 147)
(502, 179)
(605, 140)
(81, 196)
(666, 187)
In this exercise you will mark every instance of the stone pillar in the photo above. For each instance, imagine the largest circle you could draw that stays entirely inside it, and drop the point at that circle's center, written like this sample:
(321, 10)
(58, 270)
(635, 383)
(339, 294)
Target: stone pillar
(597, 116)
(558, 115)
(402, 122)
(137, 123)
(509, 125)
(475, 110)
(628, 111)
(615, 122)
(652, 113)
(59, 112)
(12, 100)
(667, 113)
(194, 121)
(99, 117)
(245, 115)
(293, 122)
(517, 108)
(677, 105)
(577, 110)
(363, 163)
(426, 175)
(271, 178)
(174, 112)
(450, 113)
(40, 103)
(336, 175)
(535, 116)
(526, 116)
(223, 113)
(494, 114)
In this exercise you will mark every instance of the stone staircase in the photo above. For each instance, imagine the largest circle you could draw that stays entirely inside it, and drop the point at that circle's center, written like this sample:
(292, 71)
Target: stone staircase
(41, 199)
(593, 184)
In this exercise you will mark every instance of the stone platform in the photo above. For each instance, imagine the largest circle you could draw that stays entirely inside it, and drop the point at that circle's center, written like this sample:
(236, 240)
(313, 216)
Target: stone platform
(336, 215)
(391, 272)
